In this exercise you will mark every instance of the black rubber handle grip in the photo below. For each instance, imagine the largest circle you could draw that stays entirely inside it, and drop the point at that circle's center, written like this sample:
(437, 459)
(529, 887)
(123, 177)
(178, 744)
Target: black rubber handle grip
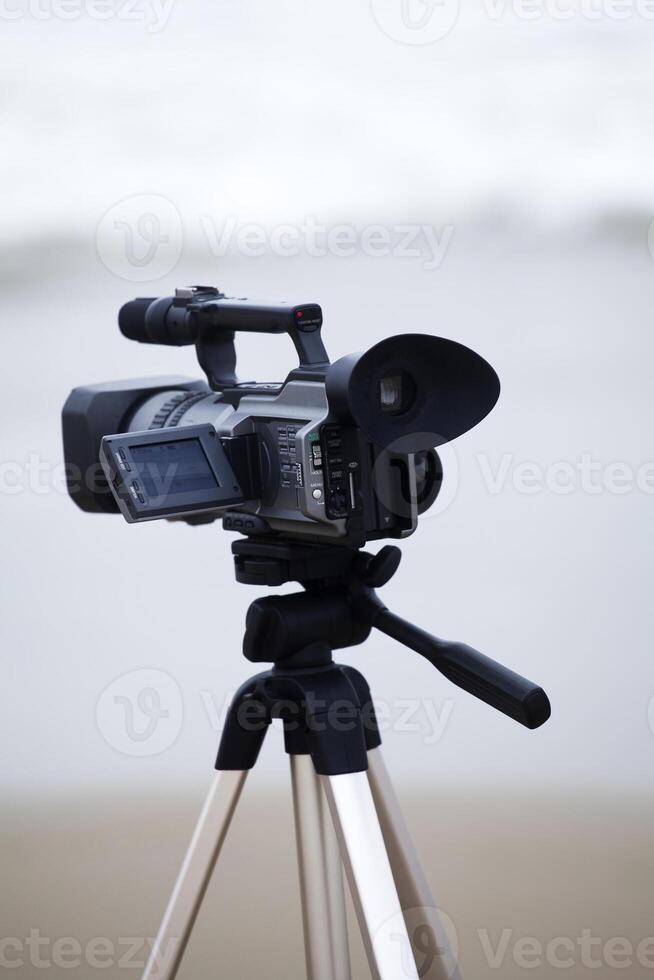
(177, 323)
(475, 673)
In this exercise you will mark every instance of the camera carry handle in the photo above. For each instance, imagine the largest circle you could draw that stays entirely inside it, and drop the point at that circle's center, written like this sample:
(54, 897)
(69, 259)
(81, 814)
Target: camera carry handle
(218, 320)
(205, 317)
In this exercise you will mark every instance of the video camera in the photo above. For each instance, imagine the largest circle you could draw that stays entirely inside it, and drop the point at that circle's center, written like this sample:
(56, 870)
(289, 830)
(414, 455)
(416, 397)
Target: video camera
(336, 454)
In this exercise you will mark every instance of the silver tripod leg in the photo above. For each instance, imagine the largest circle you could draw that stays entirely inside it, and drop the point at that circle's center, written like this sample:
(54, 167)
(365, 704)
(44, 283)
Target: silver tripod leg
(194, 876)
(430, 944)
(369, 873)
(321, 877)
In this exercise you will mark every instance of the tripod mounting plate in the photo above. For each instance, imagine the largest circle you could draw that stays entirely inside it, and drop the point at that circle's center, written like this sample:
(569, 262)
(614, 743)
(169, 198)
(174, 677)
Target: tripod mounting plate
(275, 562)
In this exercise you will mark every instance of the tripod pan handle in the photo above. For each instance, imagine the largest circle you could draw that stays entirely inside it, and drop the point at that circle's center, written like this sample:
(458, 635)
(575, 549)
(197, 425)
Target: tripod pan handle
(472, 671)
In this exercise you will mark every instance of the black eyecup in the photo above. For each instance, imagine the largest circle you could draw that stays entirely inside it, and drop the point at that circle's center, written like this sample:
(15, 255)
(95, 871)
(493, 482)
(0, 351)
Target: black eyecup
(455, 389)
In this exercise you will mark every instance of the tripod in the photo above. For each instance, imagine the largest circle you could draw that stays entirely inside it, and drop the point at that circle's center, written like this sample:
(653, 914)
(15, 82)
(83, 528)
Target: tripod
(346, 813)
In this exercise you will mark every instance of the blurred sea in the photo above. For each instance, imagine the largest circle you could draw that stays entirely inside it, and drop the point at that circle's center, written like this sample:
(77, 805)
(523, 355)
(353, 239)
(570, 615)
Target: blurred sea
(273, 112)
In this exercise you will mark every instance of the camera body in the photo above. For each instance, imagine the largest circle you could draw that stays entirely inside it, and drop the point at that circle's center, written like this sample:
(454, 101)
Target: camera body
(337, 453)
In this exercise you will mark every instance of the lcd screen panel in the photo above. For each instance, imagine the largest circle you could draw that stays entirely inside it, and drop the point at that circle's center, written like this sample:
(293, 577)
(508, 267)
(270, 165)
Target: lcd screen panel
(167, 469)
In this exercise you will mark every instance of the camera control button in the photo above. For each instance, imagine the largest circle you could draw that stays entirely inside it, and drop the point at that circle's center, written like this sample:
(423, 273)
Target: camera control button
(317, 494)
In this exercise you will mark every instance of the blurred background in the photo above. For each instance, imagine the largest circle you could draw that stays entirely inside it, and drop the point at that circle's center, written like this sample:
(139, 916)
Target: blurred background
(481, 174)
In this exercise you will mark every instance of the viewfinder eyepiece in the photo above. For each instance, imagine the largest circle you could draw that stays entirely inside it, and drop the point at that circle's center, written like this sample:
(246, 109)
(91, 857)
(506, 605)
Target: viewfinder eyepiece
(396, 392)
(412, 392)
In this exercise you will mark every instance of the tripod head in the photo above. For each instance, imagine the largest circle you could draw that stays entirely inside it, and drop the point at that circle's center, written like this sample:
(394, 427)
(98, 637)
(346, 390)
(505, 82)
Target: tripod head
(339, 607)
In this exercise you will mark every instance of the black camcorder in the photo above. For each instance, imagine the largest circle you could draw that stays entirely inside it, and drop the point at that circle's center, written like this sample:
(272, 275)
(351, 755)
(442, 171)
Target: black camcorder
(338, 453)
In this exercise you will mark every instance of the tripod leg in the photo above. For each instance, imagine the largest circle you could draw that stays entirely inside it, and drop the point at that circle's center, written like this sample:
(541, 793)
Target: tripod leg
(369, 873)
(321, 877)
(429, 942)
(194, 876)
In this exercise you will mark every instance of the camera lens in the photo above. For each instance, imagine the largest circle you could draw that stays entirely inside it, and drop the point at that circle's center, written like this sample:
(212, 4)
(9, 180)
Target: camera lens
(396, 392)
